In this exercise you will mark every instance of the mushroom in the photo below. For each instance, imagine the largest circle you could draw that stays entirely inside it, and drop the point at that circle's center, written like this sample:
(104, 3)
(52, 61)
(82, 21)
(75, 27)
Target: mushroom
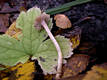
(41, 22)
(62, 21)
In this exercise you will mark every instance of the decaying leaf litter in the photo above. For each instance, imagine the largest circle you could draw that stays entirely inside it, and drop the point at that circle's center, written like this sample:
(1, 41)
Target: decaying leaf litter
(84, 48)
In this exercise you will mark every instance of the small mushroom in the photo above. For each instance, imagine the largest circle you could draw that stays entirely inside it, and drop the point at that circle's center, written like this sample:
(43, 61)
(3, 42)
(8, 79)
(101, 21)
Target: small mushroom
(41, 22)
(38, 21)
(62, 21)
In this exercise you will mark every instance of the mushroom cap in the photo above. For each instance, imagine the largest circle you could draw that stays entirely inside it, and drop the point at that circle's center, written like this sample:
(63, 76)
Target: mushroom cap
(39, 19)
(62, 21)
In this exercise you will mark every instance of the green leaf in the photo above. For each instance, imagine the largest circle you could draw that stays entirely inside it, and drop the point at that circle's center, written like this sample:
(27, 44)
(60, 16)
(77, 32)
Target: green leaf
(31, 38)
(31, 44)
(11, 51)
(65, 6)
(47, 54)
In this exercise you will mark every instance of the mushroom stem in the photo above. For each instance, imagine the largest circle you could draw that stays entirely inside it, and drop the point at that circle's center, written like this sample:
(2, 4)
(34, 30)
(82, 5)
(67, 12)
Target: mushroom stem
(60, 58)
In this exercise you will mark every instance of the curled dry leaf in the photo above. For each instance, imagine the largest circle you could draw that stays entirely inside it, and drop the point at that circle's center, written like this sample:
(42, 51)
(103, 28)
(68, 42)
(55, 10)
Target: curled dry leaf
(62, 21)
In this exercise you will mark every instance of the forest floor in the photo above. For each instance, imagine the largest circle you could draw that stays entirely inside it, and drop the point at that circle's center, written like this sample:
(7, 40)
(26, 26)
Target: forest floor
(89, 26)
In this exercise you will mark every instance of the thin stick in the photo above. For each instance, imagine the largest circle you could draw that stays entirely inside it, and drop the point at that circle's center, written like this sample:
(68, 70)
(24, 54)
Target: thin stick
(60, 59)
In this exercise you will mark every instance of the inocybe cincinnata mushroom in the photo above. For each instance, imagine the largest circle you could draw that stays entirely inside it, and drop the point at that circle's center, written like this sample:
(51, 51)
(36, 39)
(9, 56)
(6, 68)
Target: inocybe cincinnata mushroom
(62, 21)
(40, 23)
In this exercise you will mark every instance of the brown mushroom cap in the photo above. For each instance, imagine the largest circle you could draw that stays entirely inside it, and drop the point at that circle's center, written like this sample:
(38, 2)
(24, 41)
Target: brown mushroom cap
(62, 21)
(39, 19)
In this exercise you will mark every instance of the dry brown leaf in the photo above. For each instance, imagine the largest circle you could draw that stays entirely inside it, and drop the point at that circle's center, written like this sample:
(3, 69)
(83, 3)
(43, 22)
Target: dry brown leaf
(62, 21)
(76, 64)
(4, 22)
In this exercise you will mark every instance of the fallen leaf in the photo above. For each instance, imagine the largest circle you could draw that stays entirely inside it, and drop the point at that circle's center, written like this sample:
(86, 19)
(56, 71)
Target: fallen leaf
(13, 31)
(24, 71)
(74, 35)
(19, 72)
(97, 73)
(76, 64)
(62, 21)
(75, 41)
(4, 22)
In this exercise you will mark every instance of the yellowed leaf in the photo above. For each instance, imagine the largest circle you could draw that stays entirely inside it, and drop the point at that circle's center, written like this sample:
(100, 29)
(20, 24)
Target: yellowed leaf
(13, 31)
(20, 72)
(75, 41)
(97, 73)
(25, 71)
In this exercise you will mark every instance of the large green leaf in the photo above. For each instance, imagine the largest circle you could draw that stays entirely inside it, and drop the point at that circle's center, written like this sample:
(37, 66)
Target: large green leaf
(31, 44)
(47, 54)
(11, 51)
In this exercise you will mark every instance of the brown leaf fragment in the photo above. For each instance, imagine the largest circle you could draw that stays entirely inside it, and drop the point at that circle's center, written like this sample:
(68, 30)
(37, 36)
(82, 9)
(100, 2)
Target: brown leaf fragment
(4, 22)
(76, 64)
(62, 21)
